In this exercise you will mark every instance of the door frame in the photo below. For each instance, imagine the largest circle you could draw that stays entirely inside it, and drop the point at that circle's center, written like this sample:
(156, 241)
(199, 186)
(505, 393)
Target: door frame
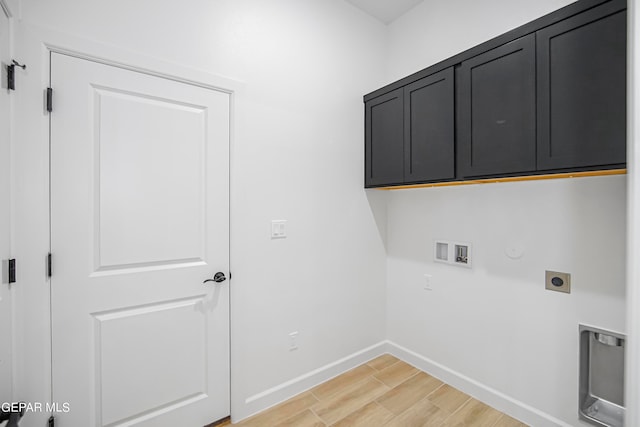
(6, 10)
(34, 45)
(632, 386)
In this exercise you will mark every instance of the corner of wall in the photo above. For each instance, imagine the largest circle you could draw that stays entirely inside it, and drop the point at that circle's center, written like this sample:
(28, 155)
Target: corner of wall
(632, 355)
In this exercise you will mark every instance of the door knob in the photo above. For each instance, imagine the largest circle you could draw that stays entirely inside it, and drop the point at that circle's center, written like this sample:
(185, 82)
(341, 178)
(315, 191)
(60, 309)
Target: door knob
(219, 277)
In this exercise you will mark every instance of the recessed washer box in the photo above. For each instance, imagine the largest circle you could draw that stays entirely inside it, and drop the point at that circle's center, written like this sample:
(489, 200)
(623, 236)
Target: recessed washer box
(462, 254)
(441, 251)
(453, 253)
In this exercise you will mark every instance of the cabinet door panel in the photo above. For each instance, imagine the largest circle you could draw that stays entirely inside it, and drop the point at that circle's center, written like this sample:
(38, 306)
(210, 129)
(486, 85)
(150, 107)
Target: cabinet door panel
(582, 90)
(429, 131)
(497, 111)
(384, 140)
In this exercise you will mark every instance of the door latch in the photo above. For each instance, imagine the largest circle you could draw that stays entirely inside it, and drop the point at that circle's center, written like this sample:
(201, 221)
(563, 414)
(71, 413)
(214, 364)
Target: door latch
(219, 277)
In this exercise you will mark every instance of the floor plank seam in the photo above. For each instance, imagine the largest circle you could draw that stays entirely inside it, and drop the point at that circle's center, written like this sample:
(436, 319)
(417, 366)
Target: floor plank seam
(439, 387)
(365, 403)
(381, 382)
(317, 416)
(386, 367)
(457, 409)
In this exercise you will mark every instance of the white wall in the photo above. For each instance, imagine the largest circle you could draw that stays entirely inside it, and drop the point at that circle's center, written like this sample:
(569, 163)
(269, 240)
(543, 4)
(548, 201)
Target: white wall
(297, 155)
(435, 30)
(495, 323)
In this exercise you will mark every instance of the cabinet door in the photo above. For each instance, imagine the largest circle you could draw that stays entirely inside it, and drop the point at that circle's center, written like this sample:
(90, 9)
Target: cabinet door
(384, 140)
(497, 111)
(429, 133)
(582, 90)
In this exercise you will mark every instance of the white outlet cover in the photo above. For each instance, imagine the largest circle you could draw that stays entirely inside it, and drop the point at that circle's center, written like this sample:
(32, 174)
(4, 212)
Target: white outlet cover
(293, 341)
(428, 278)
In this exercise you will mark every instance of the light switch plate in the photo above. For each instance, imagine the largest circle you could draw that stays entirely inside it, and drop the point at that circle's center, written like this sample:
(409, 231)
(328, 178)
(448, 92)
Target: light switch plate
(279, 229)
(557, 281)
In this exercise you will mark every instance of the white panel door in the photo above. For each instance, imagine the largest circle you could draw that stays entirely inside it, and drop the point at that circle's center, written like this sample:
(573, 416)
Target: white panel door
(139, 220)
(5, 233)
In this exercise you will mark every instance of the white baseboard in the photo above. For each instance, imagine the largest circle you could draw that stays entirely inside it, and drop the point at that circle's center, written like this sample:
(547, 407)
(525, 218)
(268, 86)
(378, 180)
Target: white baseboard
(271, 397)
(500, 401)
(512, 407)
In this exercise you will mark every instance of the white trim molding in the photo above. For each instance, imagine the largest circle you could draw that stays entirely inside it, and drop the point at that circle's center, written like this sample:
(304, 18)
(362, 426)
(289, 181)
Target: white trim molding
(11, 8)
(281, 392)
(5, 8)
(483, 393)
(494, 398)
(632, 356)
(110, 55)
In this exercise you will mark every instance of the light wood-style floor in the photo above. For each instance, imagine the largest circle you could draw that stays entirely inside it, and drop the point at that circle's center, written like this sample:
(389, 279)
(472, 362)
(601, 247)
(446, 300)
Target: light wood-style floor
(382, 392)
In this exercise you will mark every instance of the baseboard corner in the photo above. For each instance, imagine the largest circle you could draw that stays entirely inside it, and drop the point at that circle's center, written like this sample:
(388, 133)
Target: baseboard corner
(488, 395)
(284, 391)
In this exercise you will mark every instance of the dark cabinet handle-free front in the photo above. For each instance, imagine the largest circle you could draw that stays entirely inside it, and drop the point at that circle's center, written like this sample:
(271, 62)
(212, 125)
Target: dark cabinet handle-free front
(219, 277)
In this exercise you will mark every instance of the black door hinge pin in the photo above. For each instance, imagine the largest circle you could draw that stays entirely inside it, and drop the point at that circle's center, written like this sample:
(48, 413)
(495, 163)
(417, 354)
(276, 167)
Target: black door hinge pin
(11, 73)
(12, 270)
(49, 99)
(49, 266)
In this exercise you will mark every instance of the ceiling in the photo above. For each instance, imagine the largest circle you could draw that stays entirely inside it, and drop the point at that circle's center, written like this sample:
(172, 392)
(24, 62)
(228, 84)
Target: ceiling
(385, 11)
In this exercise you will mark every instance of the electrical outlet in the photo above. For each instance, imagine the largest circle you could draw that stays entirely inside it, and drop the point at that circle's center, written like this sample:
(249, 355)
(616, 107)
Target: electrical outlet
(428, 278)
(293, 341)
(556, 281)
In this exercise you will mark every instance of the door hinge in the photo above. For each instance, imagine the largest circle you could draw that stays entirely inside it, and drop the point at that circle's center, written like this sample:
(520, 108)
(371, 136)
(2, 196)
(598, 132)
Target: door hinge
(12, 270)
(52, 421)
(49, 99)
(11, 73)
(49, 268)
(11, 77)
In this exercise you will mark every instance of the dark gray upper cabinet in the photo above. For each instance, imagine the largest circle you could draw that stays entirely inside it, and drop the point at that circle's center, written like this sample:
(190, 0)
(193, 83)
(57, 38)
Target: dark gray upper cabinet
(582, 90)
(547, 97)
(496, 120)
(384, 140)
(409, 133)
(429, 128)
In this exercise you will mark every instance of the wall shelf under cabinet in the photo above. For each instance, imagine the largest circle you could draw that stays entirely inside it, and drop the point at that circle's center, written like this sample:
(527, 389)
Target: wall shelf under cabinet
(510, 179)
